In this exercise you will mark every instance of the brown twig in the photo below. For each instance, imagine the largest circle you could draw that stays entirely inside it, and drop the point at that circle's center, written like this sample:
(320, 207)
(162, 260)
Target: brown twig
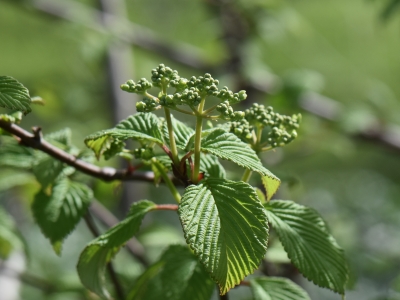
(167, 207)
(107, 174)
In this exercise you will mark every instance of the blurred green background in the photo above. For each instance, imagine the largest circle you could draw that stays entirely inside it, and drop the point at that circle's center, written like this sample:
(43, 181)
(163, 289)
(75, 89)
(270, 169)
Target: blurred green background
(335, 61)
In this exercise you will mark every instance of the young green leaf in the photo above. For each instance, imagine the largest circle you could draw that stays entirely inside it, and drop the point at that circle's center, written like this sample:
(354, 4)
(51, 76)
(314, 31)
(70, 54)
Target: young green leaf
(226, 226)
(14, 95)
(14, 155)
(148, 286)
(57, 214)
(211, 166)
(276, 288)
(308, 243)
(141, 126)
(228, 146)
(271, 186)
(46, 169)
(63, 137)
(182, 133)
(178, 275)
(10, 240)
(98, 253)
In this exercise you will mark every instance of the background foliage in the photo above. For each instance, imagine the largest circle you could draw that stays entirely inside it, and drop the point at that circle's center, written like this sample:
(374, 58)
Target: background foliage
(298, 51)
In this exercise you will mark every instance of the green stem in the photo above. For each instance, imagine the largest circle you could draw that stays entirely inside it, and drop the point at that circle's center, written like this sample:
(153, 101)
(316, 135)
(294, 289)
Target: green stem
(197, 142)
(207, 111)
(259, 134)
(266, 149)
(184, 111)
(246, 175)
(167, 180)
(174, 150)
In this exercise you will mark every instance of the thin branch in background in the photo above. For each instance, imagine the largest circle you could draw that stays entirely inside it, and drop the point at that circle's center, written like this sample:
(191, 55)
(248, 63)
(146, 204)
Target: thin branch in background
(108, 219)
(189, 56)
(37, 282)
(117, 285)
(126, 31)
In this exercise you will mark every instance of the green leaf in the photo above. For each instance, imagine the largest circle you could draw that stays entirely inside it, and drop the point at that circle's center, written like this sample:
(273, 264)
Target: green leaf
(14, 117)
(276, 288)
(58, 213)
(14, 155)
(13, 95)
(93, 260)
(10, 239)
(148, 286)
(308, 243)
(47, 169)
(226, 226)
(10, 179)
(211, 166)
(228, 146)
(182, 133)
(178, 275)
(271, 186)
(142, 126)
(63, 137)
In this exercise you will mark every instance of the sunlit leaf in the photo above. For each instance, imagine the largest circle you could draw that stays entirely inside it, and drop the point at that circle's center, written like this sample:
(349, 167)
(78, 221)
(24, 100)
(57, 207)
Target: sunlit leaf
(308, 243)
(228, 146)
(271, 186)
(141, 126)
(226, 226)
(14, 95)
(93, 260)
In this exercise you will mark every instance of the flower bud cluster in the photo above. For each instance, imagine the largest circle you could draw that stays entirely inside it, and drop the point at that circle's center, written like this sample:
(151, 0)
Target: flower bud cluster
(187, 92)
(227, 112)
(281, 129)
(138, 88)
(242, 129)
(162, 76)
(204, 85)
(226, 95)
(147, 104)
(145, 153)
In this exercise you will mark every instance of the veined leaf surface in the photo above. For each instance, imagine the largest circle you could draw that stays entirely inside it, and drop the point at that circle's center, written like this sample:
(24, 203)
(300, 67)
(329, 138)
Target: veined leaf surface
(58, 213)
(46, 169)
(141, 126)
(276, 288)
(13, 95)
(308, 243)
(271, 186)
(14, 155)
(226, 226)
(211, 166)
(182, 133)
(178, 275)
(228, 146)
(93, 259)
